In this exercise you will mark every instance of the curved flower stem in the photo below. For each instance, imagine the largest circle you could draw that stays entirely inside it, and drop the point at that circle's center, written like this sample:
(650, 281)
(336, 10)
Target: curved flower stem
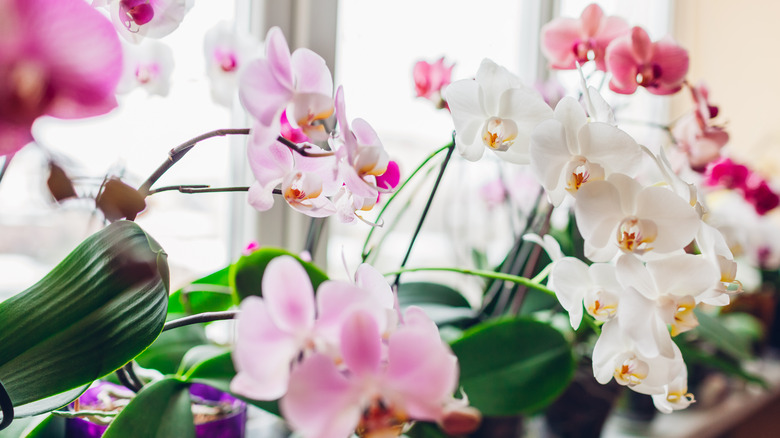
(390, 200)
(481, 273)
(5, 402)
(316, 225)
(203, 188)
(451, 147)
(84, 413)
(303, 150)
(199, 318)
(178, 152)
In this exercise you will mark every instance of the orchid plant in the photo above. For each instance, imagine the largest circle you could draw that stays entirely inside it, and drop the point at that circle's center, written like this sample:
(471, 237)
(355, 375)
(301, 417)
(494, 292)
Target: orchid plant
(374, 355)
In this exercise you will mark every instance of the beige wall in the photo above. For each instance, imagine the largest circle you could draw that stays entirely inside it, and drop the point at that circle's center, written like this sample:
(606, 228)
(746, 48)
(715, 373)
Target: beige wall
(734, 47)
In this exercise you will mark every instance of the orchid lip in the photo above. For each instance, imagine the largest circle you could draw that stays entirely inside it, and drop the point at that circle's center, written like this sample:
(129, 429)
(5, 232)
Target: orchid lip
(499, 134)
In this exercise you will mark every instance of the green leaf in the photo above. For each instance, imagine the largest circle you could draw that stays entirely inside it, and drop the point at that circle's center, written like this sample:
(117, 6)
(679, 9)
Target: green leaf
(167, 351)
(692, 355)
(160, 410)
(246, 274)
(211, 293)
(443, 304)
(712, 329)
(419, 293)
(49, 427)
(513, 366)
(218, 371)
(95, 311)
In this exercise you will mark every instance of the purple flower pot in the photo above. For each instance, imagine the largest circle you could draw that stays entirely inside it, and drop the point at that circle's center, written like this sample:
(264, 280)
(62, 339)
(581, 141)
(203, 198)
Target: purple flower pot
(229, 426)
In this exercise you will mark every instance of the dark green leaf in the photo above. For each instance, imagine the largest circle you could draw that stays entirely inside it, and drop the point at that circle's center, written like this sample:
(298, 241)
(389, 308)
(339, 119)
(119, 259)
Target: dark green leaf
(218, 371)
(167, 351)
(49, 427)
(422, 429)
(160, 410)
(246, 274)
(513, 366)
(95, 311)
(692, 355)
(211, 293)
(712, 330)
(417, 293)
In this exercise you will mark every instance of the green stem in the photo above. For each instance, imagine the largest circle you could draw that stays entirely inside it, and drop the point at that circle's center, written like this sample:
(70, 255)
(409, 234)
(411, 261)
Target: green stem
(395, 194)
(481, 273)
(85, 413)
(199, 318)
(427, 208)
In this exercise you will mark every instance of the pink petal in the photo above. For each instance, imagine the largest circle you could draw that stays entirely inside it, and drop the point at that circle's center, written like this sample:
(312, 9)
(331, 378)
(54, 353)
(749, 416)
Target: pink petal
(422, 370)
(673, 61)
(613, 27)
(262, 354)
(591, 19)
(361, 345)
(269, 162)
(261, 197)
(13, 137)
(261, 93)
(320, 401)
(85, 60)
(558, 39)
(641, 46)
(277, 53)
(390, 179)
(311, 73)
(621, 63)
(289, 295)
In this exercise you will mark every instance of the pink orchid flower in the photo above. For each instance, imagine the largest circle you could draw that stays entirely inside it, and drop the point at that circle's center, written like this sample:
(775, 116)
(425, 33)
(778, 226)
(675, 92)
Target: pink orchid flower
(373, 394)
(362, 159)
(299, 82)
(226, 52)
(290, 132)
(568, 41)
(696, 135)
(635, 60)
(148, 65)
(57, 57)
(430, 79)
(306, 182)
(288, 322)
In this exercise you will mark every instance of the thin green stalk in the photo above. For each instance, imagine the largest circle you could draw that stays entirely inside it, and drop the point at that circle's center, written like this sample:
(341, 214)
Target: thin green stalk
(395, 194)
(427, 208)
(481, 273)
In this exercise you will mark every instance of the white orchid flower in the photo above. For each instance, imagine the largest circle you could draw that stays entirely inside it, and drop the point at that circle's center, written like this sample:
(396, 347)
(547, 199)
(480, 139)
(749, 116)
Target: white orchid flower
(595, 286)
(496, 111)
(567, 151)
(659, 294)
(615, 356)
(675, 396)
(619, 213)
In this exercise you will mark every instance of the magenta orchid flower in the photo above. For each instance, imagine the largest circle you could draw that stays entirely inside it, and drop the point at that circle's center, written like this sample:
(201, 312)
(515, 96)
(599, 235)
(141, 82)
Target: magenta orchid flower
(430, 80)
(635, 60)
(136, 19)
(306, 182)
(299, 82)
(373, 393)
(227, 52)
(57, 57)
(568, 41)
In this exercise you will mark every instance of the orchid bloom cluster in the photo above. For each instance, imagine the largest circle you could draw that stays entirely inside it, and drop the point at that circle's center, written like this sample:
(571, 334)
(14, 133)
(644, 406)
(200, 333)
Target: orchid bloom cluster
(430, 79)
(291, 94)
(346, 360)
(629, 54)
(641, 283)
